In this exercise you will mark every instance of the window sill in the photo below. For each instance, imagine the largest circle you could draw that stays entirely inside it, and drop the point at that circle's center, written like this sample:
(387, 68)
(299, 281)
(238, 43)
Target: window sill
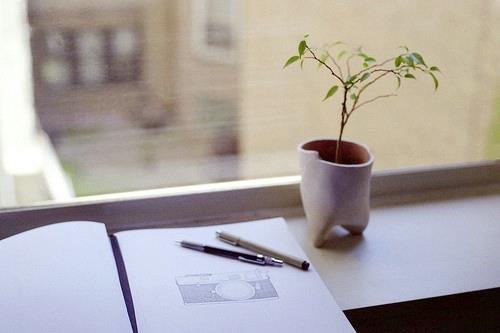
(243, 200)
(411, 251)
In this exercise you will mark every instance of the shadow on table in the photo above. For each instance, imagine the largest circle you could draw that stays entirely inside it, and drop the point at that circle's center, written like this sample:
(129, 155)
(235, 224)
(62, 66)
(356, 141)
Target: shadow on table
(340, 240)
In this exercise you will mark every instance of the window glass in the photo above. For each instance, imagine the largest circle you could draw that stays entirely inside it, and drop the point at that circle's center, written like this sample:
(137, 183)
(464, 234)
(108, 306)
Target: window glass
(122, 95)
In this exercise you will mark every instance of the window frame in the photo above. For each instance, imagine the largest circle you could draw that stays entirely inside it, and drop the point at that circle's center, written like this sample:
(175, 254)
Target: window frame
(247, 199)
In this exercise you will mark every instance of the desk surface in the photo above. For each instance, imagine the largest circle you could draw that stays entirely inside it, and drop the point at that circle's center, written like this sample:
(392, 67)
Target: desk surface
(411, 252)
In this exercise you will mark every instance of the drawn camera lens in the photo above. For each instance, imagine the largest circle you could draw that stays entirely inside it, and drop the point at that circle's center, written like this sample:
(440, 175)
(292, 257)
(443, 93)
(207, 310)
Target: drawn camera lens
(223, 288)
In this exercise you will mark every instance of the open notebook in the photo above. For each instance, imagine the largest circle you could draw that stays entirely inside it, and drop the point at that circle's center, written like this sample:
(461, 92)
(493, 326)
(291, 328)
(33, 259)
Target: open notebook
(72, 277)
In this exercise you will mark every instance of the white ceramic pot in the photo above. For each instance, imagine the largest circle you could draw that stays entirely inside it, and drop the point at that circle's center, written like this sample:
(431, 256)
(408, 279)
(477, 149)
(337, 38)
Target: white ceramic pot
(332, 193)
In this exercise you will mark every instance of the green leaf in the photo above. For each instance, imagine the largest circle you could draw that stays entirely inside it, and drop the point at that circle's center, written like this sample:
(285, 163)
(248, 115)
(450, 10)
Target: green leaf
(291, 60)
(341, 54)
(435, 69)
(351, 79)
(322, 58)
(305, 36)
(302, 64)
(353, 96)
(365, 76)
(302, 48)
(339, 42)
(436, 82)
(418, 58)
(365, 65)
(410, 76)
(409, 61)
(331, 91)
(404, 48)
(398, 61)
(366, 57)
(399, 82)
(331, 45)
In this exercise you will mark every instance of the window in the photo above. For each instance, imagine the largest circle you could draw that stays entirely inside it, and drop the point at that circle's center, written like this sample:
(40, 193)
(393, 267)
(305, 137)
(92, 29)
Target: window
(86, 56)
(137, 95)
(217, 29)
(215, 25)
(57, 66)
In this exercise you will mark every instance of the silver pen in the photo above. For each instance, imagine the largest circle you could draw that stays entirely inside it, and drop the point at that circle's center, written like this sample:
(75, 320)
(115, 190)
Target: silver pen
(238, 241)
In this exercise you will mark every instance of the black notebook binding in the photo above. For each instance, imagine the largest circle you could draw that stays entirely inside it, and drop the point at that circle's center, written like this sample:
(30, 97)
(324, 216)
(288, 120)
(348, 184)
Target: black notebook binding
(122, 273)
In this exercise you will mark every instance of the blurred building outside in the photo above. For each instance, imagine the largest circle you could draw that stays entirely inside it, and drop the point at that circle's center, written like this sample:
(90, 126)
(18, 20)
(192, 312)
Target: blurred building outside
(130, 97)
(148, 94)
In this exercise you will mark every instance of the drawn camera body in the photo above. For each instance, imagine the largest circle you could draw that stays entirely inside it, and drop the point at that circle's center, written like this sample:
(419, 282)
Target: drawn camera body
(228, 287)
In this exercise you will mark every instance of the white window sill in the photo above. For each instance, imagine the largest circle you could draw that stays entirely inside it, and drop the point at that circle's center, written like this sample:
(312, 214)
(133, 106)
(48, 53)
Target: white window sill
(244, 200)
(410, 252)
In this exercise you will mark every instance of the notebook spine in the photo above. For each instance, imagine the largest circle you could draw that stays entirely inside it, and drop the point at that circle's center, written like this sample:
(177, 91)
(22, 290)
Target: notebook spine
(122, 274)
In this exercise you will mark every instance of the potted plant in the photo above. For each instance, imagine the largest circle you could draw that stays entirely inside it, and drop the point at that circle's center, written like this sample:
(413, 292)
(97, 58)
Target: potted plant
(335, 185)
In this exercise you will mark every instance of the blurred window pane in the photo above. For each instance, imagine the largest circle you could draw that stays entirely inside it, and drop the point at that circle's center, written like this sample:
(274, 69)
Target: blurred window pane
(56, 71)
(123, 54)
(90, 53)
(218, 26)
(214, 24)
(56, 67)
(124, 42)
(56, 43)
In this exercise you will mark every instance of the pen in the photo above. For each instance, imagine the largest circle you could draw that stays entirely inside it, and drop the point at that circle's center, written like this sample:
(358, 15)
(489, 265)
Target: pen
(238, 241)
(250, 258)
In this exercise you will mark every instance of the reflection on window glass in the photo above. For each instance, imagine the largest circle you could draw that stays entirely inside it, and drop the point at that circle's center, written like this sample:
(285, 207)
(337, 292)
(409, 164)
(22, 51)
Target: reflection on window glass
(146, 94)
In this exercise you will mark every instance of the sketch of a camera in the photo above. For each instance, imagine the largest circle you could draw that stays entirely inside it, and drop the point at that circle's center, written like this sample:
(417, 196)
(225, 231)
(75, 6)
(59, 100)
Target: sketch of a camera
(226, 287)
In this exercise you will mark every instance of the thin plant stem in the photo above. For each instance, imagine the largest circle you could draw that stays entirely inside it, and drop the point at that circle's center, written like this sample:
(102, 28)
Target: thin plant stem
(404, 64)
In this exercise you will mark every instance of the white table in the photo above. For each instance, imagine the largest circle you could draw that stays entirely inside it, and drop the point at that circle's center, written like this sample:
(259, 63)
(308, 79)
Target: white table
(411, 252)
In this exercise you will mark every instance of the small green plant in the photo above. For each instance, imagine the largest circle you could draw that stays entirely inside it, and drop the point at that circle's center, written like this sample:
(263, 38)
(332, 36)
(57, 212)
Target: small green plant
(354, 71)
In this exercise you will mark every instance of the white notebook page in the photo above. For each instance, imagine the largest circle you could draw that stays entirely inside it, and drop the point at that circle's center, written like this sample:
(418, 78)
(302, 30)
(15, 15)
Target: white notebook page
(61, 278)
(181, 290)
